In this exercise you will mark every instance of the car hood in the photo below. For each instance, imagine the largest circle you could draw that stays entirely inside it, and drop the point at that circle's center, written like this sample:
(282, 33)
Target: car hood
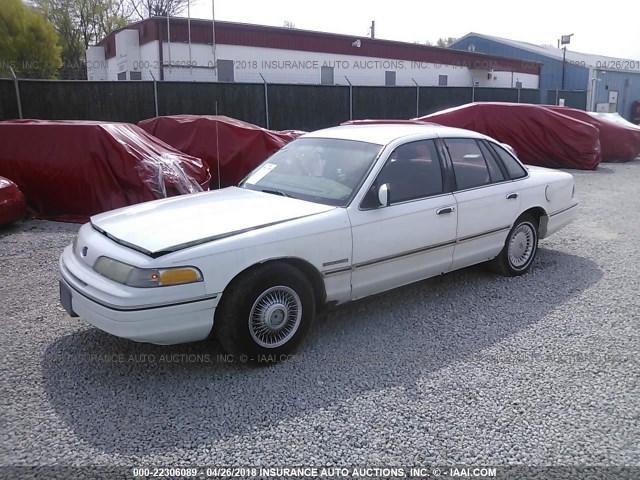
(171, 224)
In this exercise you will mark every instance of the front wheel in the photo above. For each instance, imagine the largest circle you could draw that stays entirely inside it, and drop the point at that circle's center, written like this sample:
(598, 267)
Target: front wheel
(519, 249)
(265, 312)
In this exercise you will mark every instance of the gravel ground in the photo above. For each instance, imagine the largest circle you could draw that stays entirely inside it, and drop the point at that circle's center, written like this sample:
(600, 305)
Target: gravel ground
(465, 369)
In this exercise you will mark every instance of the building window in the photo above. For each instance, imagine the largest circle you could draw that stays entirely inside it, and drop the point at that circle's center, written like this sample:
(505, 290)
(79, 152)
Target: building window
(390, 78)
(443, 80)
(225, 71)
(326, 75)
(122, 76)
(135, 76)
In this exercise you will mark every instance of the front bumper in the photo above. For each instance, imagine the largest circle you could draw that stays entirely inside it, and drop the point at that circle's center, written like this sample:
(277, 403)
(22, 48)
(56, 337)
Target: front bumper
(163, 323)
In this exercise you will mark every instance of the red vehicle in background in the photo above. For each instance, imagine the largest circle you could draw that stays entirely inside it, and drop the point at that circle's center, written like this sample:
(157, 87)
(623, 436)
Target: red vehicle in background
(12, 203)
(635, 112)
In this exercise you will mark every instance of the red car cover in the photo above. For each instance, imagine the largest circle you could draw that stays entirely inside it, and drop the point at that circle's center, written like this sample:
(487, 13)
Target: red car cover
(70, 170)
(12, 204)
(239, 146)
(540, 136)
(619, 142)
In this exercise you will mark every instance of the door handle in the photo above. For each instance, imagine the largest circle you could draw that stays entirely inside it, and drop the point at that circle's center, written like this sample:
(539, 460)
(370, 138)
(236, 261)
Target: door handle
(512, 196)
(444, 210)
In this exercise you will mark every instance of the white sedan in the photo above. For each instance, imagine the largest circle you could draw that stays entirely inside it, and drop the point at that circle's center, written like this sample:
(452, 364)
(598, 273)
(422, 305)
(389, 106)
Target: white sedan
(336, 215)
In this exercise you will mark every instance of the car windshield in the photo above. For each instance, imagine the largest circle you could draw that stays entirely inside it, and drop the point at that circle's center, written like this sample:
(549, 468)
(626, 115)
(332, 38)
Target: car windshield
(321, 170)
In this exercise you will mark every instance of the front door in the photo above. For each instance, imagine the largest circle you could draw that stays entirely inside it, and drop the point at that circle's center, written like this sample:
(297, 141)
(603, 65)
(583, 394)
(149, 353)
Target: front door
(411, 238)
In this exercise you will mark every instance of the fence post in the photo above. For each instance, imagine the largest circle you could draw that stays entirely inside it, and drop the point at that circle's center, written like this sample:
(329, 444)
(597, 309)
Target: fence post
(350, 98)
(17, 87)
(155, 92)
(417, 98)
(266, 100)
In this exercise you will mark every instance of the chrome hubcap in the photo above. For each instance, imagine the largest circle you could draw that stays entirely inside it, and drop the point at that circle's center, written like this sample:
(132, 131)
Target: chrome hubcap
(521, 245)
(275, 317)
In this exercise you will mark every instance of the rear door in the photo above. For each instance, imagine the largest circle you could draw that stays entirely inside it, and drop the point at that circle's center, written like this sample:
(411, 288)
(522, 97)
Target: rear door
(488, 201)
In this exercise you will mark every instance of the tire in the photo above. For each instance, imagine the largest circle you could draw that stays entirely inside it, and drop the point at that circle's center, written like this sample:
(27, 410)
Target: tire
(520, 248)
(265, 313)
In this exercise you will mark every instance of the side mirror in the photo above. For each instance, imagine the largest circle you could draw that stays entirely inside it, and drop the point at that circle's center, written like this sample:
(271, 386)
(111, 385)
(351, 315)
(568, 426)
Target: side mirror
(383, 194)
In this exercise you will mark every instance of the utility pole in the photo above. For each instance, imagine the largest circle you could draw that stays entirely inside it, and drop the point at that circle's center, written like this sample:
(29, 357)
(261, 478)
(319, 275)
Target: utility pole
(565, 40)
(373, 29)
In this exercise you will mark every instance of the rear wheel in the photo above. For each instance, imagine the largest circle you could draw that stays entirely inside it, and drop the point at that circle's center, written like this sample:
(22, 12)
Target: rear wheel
(265, 312)
(519, 249)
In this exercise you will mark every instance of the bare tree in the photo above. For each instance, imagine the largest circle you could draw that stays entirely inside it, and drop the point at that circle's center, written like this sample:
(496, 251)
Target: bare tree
(289, 24)
(157, 8)
(445, 42)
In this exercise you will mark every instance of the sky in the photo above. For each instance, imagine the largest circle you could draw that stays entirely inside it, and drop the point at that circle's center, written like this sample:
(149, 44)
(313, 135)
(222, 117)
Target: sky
(539, 22)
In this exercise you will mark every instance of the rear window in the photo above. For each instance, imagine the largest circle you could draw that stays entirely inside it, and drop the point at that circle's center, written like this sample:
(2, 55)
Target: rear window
(514, 169)
(469, 164)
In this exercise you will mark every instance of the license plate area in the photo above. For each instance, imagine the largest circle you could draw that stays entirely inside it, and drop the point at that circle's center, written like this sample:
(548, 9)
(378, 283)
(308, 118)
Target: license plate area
(65, 299)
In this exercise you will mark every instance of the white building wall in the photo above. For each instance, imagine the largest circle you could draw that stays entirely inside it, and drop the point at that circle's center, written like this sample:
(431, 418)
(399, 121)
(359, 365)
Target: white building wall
(298, 67)
(127, 51)
(97, 65)
(149, 63)
(197, 67)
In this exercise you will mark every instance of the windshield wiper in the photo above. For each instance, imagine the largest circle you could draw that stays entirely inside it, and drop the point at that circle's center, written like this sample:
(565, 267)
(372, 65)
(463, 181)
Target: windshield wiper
(277, 192)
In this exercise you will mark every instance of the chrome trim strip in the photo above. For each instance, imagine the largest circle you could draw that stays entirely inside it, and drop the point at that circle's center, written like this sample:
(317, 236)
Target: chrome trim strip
(403, 254)
(431, 247)
(336, 271)
(563, 210)
(483, 234)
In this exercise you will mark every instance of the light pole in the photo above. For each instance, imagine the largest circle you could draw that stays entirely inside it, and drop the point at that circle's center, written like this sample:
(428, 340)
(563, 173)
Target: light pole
(565, 40)
(596, 78)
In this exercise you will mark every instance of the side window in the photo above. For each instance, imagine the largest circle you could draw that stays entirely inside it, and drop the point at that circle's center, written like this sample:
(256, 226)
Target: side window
(412, 171)
(469, 164)
(494, 169)
(514, 169)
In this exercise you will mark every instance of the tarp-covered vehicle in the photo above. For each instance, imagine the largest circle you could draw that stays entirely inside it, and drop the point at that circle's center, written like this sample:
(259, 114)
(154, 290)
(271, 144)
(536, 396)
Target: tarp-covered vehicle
(539, 135)
(229, 146)
(70, 170)
(619, 139)
(12, 204)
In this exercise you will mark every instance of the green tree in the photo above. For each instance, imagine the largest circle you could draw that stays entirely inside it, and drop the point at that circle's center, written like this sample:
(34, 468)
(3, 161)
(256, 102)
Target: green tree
(28, 42)
(81, 23)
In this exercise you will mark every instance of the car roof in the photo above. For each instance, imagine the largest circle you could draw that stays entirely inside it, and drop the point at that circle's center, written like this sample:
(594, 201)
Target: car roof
(386, 133)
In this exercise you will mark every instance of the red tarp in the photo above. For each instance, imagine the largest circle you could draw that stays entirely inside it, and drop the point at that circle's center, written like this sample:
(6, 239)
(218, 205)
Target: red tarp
(619, 142)
(70, 170)
(540, 136)
(12, 203)
(241, 146)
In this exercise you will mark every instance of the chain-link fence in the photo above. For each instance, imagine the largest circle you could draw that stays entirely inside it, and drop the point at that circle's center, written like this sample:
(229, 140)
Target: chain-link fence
(276, 106)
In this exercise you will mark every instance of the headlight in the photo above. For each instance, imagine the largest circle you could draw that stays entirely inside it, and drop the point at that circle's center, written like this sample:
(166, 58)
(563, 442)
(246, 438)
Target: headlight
(145, 277)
